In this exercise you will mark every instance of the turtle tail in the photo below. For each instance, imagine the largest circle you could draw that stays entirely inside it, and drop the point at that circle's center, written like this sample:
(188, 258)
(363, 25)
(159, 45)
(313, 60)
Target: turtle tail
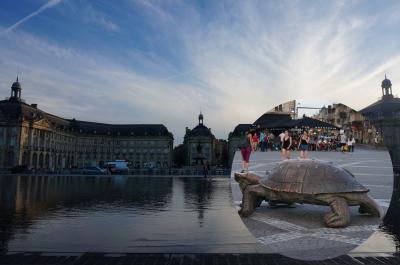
(369, 205)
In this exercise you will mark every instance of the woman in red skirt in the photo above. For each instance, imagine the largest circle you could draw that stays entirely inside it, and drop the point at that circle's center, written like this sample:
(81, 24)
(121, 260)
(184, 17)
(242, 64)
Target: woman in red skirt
(245, 149)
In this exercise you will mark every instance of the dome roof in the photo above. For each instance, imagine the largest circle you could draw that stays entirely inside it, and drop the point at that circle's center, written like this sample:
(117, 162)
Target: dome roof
(386, 83)
(16, 85)
(200, 130)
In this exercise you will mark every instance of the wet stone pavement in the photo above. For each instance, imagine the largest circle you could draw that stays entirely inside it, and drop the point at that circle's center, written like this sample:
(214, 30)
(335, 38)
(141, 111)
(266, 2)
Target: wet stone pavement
(300, 233)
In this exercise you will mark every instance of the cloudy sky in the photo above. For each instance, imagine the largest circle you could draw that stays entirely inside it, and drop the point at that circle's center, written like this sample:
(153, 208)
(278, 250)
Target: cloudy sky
(137, 61)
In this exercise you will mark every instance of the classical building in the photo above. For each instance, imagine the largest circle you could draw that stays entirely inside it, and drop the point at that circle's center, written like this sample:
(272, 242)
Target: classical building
(40, 140)
(199, 144)
(288, 107)
(372, 134)
(221, 153)
(340, 115)
(353, 122)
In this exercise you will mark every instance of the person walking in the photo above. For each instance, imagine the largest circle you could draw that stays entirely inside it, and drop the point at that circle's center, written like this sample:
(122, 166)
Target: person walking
(286, 145)
(303, 145)
(343, 142)
(266, 139)
(245, 150)
(351, 142)
(271, 141)
(255, 140)
(262, 137)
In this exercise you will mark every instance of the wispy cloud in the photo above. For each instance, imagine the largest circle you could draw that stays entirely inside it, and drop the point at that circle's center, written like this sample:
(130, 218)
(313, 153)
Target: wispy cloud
(96, 18)
(232, 60)
(49, 4)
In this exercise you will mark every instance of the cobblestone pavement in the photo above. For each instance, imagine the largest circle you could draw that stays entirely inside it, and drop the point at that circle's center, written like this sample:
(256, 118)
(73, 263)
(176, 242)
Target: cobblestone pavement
(299, 232)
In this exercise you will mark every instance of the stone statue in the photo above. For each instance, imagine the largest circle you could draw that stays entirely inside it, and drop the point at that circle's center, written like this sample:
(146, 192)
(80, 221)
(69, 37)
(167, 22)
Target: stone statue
(310, 182)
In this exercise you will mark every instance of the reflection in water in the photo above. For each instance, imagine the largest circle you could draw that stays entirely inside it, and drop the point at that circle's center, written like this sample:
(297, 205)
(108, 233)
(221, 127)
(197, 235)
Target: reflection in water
(198, 195)
(25, 199)
(112, 213)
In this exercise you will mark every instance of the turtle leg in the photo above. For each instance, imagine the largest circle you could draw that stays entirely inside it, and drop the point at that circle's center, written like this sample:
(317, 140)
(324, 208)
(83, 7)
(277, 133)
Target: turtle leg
(251, 199)
(369, 205)
(340, 213)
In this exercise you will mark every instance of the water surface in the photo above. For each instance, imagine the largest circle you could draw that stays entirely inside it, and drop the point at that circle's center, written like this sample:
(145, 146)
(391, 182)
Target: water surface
(119, 214)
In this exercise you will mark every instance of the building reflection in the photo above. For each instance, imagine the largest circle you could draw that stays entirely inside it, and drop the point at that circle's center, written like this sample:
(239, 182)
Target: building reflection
(25, 199)
(198, 195)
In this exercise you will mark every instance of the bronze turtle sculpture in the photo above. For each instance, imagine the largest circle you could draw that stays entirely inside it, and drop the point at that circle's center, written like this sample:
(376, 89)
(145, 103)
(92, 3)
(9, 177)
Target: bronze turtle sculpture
(309, 182)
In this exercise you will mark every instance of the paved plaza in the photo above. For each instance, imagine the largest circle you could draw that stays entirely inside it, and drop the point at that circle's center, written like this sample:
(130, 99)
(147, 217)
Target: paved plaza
(300, 232)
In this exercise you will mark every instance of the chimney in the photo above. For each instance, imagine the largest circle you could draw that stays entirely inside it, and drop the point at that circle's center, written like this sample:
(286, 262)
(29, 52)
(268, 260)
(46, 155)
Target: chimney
(34, 106)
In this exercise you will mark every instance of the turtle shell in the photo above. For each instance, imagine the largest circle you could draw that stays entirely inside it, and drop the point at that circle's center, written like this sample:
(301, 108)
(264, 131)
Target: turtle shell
(311, 177)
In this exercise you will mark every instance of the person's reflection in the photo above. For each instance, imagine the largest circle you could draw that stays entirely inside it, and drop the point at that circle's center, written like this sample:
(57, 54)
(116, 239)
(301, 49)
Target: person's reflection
(198, 195)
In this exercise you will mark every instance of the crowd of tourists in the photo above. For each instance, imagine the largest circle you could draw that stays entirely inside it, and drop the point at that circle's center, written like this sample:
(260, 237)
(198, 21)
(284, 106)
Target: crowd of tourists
(261, 140)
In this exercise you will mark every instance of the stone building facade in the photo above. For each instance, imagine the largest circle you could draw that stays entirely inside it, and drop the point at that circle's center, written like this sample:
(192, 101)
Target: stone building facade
(344, 117)
(39, 140)
(200, 144)
(339, 115)
(288, 107)
(353, 122)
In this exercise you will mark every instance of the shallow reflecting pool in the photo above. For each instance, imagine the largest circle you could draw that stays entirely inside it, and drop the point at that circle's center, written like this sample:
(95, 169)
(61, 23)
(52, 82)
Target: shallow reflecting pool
(119, 214)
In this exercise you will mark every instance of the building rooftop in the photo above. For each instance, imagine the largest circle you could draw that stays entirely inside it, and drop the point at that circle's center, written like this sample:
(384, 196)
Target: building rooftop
(14, 110)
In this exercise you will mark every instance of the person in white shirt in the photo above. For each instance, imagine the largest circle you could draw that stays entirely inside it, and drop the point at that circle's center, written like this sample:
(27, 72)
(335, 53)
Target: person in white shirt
(343, 141)
(351, 142)
(281, 137)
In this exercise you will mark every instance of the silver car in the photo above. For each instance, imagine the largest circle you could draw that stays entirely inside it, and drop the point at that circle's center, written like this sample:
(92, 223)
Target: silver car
(93, 171)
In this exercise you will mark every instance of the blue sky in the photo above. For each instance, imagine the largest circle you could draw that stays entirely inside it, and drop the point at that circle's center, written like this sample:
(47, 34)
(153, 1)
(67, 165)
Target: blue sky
(128, 61)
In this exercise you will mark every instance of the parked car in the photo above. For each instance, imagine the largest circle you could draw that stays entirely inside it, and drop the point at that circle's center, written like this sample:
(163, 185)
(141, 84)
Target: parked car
(93, 171)
(118, 167)
(20, 169)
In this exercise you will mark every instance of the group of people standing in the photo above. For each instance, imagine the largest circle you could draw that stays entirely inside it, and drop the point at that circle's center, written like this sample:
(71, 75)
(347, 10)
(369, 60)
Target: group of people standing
(252, 141)
(261, 140)
(287, 144)
(347, 144)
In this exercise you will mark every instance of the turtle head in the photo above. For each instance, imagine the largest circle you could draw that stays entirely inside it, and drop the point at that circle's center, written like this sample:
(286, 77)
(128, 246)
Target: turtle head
(247, 178)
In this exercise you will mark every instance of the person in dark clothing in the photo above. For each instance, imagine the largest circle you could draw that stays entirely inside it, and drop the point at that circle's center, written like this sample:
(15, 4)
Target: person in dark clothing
(286, 145)
(303, 145)
(205, 169)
